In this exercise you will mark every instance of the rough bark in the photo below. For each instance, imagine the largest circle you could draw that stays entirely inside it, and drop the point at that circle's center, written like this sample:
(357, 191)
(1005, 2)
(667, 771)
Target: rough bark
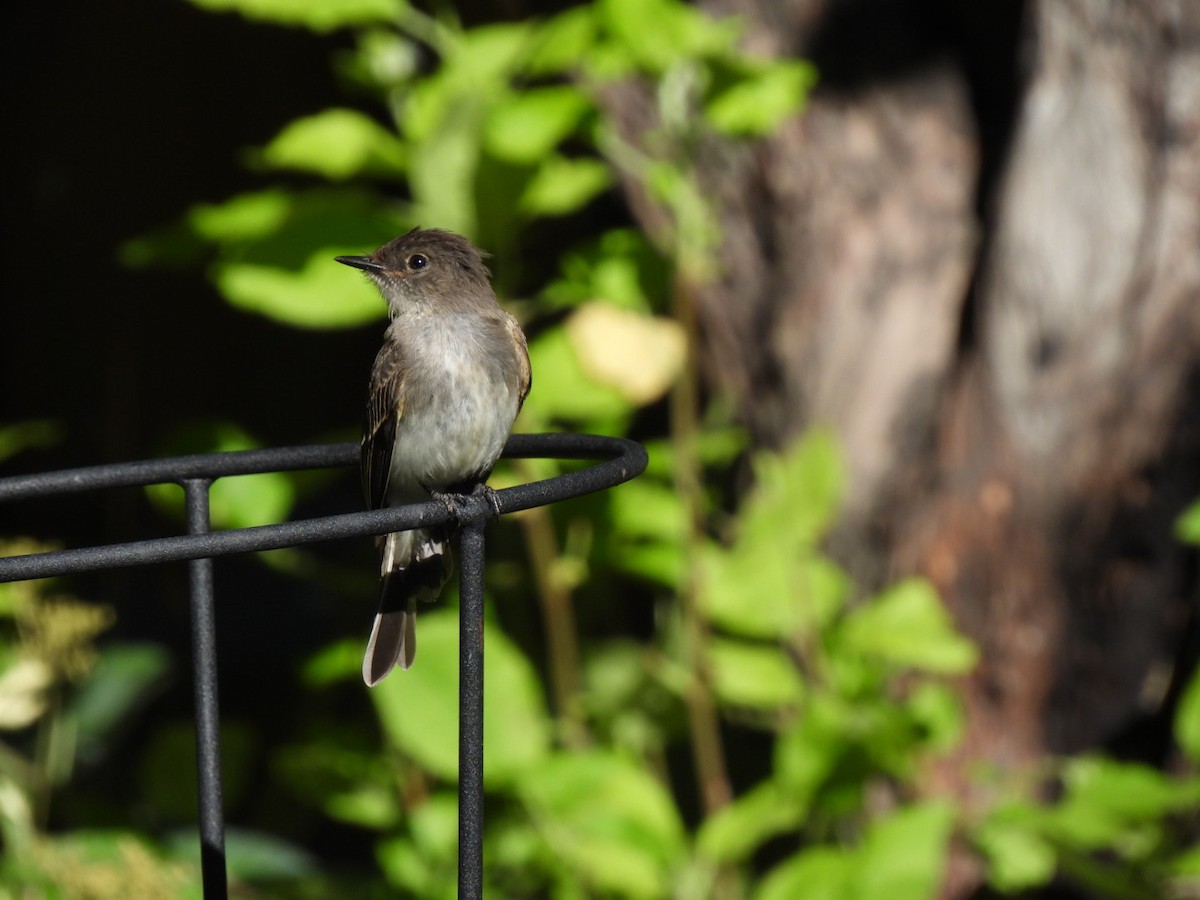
(987, 278)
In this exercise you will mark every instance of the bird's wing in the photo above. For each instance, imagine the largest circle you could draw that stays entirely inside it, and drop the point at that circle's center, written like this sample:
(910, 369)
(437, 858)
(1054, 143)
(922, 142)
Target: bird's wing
(525, 375)
(385, 407)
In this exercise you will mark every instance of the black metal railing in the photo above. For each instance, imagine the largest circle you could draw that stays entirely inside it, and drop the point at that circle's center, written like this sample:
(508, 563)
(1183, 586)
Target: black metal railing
(622, 460)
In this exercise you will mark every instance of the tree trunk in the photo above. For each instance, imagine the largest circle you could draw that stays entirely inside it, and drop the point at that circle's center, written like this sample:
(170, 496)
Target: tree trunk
(985, 276)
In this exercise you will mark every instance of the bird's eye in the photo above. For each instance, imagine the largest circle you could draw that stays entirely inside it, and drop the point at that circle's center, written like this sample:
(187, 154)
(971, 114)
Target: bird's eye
(418, 261)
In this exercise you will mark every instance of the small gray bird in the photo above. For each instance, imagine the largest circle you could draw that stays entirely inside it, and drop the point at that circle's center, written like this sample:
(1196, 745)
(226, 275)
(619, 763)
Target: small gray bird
(445, 389)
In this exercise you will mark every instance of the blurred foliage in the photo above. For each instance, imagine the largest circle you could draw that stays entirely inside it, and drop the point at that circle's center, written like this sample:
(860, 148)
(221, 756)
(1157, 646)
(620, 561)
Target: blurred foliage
(495, 131)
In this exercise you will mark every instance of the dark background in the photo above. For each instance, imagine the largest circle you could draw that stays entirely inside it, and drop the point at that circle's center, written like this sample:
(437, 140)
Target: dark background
(120, 117)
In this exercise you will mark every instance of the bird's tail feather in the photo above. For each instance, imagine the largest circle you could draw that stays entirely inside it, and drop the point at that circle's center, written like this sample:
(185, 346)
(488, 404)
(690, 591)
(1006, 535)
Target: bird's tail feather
(421, 563)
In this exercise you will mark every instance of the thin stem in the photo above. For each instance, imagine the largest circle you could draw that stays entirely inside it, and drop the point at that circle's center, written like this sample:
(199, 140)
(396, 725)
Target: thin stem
(703, 725)
(558, 619)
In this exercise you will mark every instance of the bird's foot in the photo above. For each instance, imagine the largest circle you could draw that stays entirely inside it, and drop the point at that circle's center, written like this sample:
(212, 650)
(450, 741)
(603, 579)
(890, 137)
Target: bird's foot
(489, 494)
(449, 501)
(454, 508)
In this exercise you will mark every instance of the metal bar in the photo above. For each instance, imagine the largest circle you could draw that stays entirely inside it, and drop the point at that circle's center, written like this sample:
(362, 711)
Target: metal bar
(176, 469)
(208, 717)
(470, 711)
(624, 460)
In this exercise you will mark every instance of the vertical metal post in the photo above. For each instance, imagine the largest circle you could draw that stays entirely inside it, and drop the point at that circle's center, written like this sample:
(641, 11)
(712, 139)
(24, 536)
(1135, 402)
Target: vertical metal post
(204, 681)
(470, 712)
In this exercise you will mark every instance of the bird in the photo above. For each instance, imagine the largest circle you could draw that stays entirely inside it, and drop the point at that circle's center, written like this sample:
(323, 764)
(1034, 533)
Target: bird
(444, 392)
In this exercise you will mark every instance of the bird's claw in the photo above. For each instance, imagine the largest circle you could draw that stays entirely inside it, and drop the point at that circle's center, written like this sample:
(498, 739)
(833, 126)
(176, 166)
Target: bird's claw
(454, 508)
(490, 495)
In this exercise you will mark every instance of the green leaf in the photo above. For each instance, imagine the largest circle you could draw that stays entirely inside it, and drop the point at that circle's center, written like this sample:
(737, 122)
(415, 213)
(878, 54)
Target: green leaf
(339, 661)
(317, 295)
(759, 104)
(754, 675)
(755, 590)
(561, 186)
(647, 508)
(903, 856)
(1019, 856)
(526, 126)
(241, 501)
(820, 873)
(807, 753)
(317, 15)
(797, 495)
(1187, 528)
(342, 773)
(1187, 719)
(434, 826)
(607, 818)
(419, 708)
(486, 57)
(276, 253)
(258, 855)
(1186, 866)
(937, 709)
(243, 217)
(907, 625)
(620, 267)
(734, 832)
(656, 34)
(1103, 796)
(336, 144)
(443, 166)
(562, 42)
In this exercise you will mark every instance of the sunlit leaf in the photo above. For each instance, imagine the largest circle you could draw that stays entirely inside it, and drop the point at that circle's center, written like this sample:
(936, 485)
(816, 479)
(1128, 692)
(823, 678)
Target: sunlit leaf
(561, 185)
(24, 692)
(818, 873)
(907, 625)
(639, 356)
(1103, 797)
(1187, 719)
(658, 33)
(419, 707)
(762, 102)
(337, 144)
(528, 125)
(338, 661)
(243, 217)
(797, 495)
(937, 709)
(646, 507)
(608, 819)
(903, 855)
(620, 267)
(318, 15)
(1019, 856)
(234, 502)
(808, 752)
(736, 831)
(1187, 527)
(756, 590)
(562, 42)
(757, 676)
(320, 294)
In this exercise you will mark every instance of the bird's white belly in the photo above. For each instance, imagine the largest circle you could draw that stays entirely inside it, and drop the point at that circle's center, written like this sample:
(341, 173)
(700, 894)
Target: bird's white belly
(455, 435)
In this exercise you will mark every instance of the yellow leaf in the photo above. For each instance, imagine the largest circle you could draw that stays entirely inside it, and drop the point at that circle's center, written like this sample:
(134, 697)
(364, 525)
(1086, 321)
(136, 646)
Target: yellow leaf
(637, 355)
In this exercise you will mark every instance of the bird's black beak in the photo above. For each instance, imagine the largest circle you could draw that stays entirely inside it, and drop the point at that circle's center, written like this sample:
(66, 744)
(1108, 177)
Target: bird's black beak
(361, 262)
